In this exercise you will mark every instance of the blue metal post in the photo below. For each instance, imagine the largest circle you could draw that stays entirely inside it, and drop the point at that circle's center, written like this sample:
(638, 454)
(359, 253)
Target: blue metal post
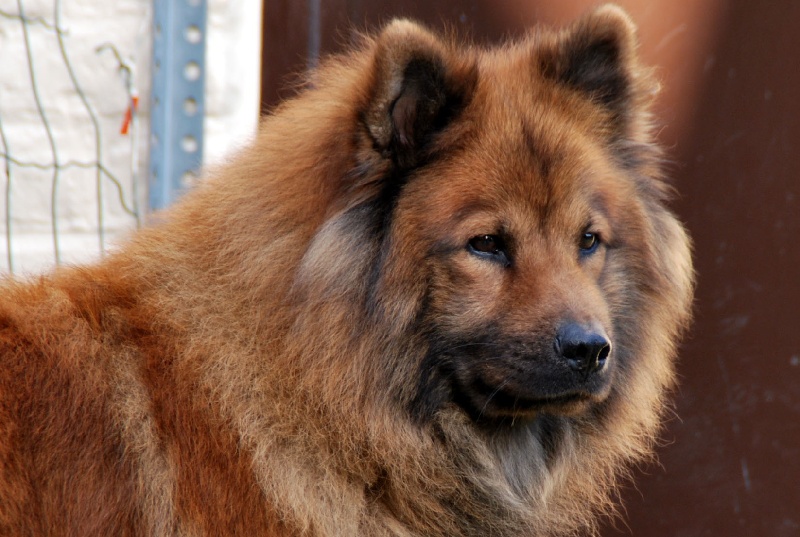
(177, 104)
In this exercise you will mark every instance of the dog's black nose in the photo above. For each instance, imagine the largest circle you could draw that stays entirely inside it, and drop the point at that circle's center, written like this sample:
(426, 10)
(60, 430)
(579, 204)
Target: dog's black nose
(584, 350)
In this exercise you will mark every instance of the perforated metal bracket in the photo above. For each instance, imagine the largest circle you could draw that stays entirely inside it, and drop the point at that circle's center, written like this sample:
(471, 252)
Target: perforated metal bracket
(177, 105)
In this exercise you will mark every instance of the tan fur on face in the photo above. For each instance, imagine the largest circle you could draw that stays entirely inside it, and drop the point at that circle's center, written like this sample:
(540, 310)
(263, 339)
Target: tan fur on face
(270, 358)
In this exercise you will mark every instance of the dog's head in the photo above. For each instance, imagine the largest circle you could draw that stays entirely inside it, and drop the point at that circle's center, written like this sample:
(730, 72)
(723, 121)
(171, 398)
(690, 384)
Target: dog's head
(512, 209)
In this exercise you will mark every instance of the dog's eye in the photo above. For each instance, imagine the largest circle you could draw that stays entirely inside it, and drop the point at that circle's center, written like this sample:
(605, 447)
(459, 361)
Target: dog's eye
(588, 242)
(489, 246)
(486, 244)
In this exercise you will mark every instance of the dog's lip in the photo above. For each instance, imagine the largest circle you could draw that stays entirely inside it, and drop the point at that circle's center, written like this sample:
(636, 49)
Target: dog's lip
(529, 392)
(525, 392)
(568, 400)
(560, 399)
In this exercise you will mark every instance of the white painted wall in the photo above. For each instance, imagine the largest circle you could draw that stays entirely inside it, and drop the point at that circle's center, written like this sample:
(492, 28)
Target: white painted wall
(232, 102)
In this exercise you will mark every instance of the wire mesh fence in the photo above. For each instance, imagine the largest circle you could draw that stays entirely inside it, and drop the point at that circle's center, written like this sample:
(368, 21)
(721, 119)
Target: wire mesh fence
(70, 128)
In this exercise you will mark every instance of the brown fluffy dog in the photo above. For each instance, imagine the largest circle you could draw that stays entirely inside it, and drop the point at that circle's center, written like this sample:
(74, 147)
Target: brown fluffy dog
(438, 296)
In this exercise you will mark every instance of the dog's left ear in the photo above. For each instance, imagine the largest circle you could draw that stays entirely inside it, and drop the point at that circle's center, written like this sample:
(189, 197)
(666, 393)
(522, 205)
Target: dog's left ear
(418, 87)
(597, 57)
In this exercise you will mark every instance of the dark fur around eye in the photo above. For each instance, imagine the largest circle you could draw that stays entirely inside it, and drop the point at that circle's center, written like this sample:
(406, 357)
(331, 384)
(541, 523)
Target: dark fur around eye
(491, 247)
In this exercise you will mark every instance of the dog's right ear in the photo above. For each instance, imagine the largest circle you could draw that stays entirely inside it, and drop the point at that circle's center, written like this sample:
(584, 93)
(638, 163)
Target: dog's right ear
(417, 88)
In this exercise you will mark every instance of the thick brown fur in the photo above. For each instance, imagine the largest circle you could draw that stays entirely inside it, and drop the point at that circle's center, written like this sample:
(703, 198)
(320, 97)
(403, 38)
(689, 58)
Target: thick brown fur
(297, 347)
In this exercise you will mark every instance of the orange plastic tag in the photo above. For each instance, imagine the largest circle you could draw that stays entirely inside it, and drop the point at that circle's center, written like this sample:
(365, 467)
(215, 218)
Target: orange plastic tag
(133, 107)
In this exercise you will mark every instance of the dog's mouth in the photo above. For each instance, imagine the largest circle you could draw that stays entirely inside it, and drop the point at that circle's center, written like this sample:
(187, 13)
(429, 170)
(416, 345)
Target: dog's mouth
(519, 393)
(501, 383)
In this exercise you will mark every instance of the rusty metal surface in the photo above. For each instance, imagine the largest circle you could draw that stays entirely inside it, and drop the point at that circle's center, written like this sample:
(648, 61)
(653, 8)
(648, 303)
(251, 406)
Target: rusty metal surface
(731, 106)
